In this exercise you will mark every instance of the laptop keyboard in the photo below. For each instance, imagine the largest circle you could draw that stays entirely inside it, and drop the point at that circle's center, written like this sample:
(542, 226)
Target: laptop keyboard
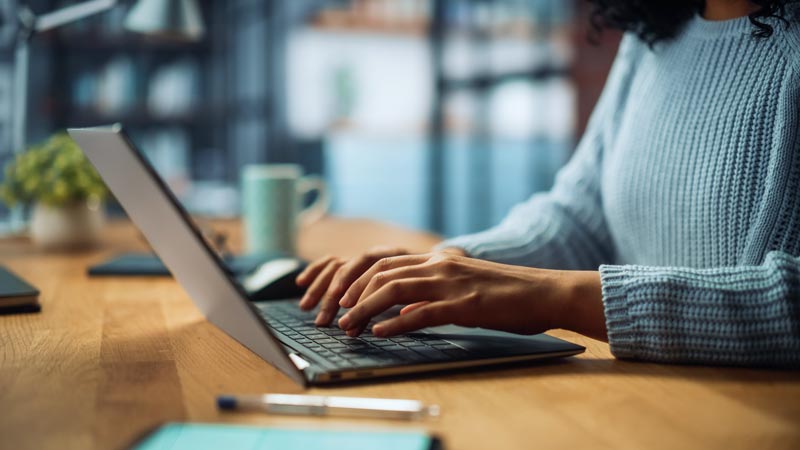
(296, 328)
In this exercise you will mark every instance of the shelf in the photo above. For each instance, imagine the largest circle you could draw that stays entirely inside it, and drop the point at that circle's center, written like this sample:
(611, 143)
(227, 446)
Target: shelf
(349, 21)
(123, 41)
(488, 81)
(139, 117)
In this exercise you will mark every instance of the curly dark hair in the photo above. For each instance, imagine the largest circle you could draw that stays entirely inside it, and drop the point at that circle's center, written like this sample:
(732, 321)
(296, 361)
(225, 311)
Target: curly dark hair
(656, 20)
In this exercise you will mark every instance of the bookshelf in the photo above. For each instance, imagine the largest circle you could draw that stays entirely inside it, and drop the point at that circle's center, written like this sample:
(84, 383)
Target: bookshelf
(171, 95)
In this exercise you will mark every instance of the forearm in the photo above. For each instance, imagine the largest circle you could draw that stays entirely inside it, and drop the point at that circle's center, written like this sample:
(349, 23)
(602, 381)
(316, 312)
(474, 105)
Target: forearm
(544, 232)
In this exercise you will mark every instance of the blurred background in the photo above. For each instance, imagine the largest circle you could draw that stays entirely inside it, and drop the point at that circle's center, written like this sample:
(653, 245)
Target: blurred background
(432, 114)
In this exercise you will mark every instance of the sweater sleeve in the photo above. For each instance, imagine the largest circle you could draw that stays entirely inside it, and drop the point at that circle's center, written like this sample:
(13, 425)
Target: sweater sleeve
(564, 228)
(745, 315)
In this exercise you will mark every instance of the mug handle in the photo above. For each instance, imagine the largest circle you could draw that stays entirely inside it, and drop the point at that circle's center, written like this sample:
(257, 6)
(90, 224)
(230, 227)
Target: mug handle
(319, 207)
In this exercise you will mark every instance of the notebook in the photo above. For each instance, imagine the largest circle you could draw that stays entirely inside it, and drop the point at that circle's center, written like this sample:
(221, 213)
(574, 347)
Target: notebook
(16, 295)
(197, 436)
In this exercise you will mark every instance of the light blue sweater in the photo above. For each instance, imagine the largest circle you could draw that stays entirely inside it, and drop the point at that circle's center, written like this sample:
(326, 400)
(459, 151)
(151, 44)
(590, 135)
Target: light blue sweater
(685, 193)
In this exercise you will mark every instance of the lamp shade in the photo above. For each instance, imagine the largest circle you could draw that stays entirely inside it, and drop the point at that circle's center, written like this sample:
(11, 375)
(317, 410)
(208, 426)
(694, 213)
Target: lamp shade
(176, 19)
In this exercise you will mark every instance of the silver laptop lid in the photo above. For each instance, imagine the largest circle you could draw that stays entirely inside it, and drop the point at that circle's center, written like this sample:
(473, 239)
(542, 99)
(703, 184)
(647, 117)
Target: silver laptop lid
(175, 239)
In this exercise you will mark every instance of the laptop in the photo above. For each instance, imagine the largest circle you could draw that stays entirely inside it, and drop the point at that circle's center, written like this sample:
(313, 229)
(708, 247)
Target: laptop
(278, 331)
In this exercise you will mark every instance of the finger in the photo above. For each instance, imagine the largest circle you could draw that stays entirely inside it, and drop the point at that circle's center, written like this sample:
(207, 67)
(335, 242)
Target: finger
(354, 268)
(327, 311)
(396, 292)
(312, 271)
(354, 332)
(428, 315)
(328, 308)
(383, 278)
(356, 290)
(319, 286)
(408, 308)
(342, 280)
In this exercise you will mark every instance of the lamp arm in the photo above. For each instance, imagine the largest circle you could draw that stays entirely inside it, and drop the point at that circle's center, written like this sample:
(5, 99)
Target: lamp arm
(71, 14)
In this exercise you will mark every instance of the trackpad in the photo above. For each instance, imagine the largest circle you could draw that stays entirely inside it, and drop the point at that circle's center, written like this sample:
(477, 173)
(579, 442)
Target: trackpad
(496, 343)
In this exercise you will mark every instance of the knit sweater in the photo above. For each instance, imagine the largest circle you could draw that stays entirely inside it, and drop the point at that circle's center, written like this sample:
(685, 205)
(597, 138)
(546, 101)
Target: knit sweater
(684, 193)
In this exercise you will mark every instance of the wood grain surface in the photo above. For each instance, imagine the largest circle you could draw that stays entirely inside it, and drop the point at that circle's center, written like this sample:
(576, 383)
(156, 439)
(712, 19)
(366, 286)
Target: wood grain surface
(109, 358)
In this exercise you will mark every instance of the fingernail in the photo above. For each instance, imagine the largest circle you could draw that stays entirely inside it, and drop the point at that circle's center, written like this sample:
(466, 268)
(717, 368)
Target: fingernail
(344, 322)
(322, 319)
(378, 330)
(353, 332)
(344, 302)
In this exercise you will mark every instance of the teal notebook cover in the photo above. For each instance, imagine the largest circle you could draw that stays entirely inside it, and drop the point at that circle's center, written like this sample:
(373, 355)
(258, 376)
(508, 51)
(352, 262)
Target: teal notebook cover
(184, 436)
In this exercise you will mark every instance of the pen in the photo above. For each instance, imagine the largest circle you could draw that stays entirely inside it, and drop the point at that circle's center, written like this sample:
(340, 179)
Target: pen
(319, 405)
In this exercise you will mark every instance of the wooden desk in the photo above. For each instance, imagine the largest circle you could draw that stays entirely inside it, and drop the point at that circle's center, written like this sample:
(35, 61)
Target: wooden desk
(109, 358)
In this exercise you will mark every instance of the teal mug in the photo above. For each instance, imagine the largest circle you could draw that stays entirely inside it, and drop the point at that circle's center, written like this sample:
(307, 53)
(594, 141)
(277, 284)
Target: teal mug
(272, 206)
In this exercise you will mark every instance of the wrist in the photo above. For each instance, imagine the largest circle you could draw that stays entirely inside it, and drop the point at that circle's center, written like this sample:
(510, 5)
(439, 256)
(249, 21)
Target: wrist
(454, 251)
(581, 308)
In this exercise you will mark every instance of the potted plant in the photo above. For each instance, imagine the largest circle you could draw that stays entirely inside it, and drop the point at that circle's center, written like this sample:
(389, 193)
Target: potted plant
(64, 189)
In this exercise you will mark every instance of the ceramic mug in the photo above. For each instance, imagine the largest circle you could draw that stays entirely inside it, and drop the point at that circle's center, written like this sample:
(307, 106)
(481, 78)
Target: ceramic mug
(272, 206)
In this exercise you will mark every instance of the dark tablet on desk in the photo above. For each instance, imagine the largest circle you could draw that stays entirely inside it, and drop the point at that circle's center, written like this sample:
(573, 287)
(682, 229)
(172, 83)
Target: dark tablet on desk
(264, 277)
(16, 295)
(148, 264)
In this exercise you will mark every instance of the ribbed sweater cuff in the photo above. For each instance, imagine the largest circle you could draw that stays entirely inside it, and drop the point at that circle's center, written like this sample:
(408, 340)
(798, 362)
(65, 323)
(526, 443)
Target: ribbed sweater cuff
(622, 335)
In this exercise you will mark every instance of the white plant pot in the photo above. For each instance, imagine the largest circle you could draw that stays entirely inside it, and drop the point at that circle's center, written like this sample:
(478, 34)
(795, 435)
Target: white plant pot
(74, 226)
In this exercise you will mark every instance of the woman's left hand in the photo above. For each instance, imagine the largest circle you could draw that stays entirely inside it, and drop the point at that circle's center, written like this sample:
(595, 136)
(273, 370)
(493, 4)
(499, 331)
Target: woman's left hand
(440, 289)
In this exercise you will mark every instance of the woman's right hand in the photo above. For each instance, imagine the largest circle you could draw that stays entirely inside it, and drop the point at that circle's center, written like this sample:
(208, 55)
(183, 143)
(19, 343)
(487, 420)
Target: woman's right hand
(328, 278)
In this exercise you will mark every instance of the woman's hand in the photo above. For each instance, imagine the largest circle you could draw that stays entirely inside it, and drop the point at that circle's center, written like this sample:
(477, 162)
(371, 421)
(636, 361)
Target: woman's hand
(327, 279)
(440, 289)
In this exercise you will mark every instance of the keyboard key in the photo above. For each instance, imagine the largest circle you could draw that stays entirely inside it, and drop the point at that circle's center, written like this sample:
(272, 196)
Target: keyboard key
(393, 348)
(373, 351)
(414, 345)
(356, 344)
(313, 334)
(332, 331)
(341, 351)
